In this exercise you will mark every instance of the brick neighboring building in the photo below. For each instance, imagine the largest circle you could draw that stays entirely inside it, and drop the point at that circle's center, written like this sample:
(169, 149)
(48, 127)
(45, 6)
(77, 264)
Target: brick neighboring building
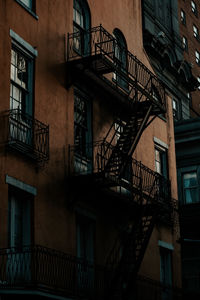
(88, 184)
(189, 20)
(187, 136)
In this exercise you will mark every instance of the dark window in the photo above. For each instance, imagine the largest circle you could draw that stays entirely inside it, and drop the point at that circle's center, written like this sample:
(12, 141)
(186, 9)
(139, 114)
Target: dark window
(176, 109)
(196, 32)
(82, 130)
(29, 4)
(183, 17)
(190, 188)
(120, 58)
(197, 57)
(194, 8)
(198, 79)
(81, 25)
(127, 173)
(161, 164)
(185, 44)
(166, 272)
(20, 218)
(85, 251)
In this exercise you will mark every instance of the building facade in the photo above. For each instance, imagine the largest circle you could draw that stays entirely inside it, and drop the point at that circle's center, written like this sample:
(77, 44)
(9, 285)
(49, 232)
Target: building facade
(189, 30)
(87, 161)
(171, 38)
(187, 149)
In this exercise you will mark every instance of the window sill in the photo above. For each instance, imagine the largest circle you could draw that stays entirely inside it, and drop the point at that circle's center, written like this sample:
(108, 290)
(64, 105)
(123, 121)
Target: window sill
(27, 9)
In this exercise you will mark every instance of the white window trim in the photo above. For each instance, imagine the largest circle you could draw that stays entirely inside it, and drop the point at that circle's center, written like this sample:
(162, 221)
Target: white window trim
(21, 185)
(23, 43)
(165, 245)
(158, 142)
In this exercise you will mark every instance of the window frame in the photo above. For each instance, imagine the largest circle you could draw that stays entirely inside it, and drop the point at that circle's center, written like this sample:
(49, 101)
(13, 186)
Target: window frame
(183, 17)
(31, 10)
(175, 109)
(81, 35)
(196, 187)
(120, 48)
(166, 257)
(198, 79)
(194, 8)
(86, 151)
(185, 43)
(163, 160)
(197, 57)
(26, 201)
(195, 32)
(29, 90)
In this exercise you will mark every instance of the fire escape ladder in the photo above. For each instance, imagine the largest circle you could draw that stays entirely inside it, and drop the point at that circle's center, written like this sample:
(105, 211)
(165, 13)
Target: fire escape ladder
(128, 140)
(127, 254)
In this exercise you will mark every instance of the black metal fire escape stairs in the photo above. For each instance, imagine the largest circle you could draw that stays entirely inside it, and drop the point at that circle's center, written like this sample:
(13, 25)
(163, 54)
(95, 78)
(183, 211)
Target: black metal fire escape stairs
(147, 97)
(131, 249)
(126, 256)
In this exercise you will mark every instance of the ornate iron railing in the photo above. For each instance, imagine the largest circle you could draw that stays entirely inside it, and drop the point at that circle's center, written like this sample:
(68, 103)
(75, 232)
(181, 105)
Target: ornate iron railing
(26, 134)
(138, 78)
(137, 178)
(147, 288)
(38, 267)
(50, 270)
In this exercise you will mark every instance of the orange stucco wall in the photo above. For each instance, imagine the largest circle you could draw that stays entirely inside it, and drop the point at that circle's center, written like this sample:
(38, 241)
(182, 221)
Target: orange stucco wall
(54, 222)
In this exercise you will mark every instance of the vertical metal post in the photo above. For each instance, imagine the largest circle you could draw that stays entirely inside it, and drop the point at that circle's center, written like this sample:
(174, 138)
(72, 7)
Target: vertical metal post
(67, 48)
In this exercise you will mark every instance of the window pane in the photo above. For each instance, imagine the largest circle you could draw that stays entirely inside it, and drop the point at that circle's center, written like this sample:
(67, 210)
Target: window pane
(198, 78)
(190, 185)
(28, 3)
(190, 179)
(191, 196)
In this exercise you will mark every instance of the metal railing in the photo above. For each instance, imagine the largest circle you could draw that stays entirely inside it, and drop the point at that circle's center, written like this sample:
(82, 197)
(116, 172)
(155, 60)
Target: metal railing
(38, 267)
(136, 75)
(140, 177)
(147, 288)
(26, 134)
(53, 271)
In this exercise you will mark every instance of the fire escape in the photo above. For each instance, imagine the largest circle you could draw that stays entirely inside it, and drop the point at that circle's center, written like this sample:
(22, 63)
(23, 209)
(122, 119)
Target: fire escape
(145, 96)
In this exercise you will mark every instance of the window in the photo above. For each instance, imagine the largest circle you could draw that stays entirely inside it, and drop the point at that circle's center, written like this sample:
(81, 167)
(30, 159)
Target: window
(190, 188)
(82, 129)
(81, 24)
(198, 79)
(21, 87)
(194, 8)
(166, 272)
(175, 108)
(185, 44)
(195, 32)
(21, 95)
(29, 4)
(20, 218)
(120, 58)
(189, 97)
(183, 17)
(161, 161)
(85, 251)
(197, 57)
(20, 227)
(127, 172)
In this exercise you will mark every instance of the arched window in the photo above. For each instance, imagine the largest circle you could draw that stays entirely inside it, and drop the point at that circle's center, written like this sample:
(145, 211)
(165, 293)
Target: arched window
(81, 26)
(120, 58)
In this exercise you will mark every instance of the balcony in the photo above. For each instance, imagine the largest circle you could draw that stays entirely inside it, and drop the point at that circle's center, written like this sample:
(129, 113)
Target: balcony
(26, 135)
(45, 270)
(139, 180)
(93, 52)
